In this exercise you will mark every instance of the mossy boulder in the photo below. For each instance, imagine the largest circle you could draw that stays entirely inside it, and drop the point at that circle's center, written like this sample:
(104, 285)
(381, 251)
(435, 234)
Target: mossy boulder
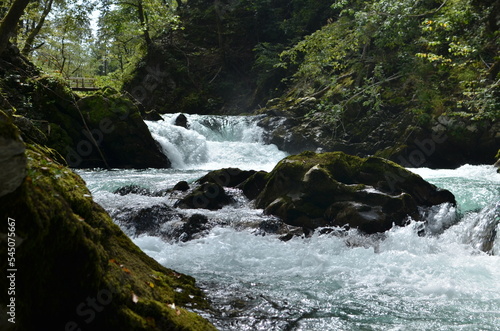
(227, 177)
(336, 189)
(254, 184)
(77, 270)
(104, 129)
(117, 128)
(12, 158)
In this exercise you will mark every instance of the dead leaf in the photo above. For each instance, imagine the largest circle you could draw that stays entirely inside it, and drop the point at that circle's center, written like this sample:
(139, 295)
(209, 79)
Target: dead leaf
(135, 298)
(126, 270)
(151, 285)
(178, 312)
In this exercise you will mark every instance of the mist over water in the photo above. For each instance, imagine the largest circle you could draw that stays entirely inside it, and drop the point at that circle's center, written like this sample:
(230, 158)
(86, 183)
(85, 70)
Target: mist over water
(398, 280)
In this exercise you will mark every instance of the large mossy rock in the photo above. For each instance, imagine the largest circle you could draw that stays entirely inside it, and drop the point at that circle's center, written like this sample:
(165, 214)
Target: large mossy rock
(335, 189)
(12, 158)
(118, 127)
(76, 270)
(100, 130)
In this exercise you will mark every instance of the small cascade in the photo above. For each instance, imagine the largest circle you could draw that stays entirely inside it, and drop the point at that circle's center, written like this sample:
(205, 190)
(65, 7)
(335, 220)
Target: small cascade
(214, 142)
(481, 229)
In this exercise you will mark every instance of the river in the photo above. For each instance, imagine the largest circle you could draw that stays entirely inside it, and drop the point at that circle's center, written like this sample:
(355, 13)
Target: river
(396, 281)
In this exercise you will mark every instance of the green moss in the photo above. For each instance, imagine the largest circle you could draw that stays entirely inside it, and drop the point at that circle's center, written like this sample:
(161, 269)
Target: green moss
(498, 155)
(312, 190)
(390, 151)
(71, 251)
(7, 129)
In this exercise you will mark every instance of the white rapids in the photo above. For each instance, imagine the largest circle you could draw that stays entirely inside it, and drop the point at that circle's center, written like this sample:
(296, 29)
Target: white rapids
(399, 281)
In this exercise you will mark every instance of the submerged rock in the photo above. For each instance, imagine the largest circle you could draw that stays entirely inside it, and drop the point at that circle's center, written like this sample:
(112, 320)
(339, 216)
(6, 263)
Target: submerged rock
(132, 189)
(193, 226)
(147, 220)
(335, 189)
(164, 222)
(77, 269)
(182, 121)
(210, 193)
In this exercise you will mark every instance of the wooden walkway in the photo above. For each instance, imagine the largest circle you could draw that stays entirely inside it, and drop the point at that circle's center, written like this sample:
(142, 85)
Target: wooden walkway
(82, 84)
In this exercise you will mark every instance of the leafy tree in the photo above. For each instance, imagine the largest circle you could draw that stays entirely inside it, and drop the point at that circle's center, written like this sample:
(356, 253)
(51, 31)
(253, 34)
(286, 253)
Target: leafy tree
(127, 29)
(37, 22)
(9, 22)
(67, 39)
(375, 54)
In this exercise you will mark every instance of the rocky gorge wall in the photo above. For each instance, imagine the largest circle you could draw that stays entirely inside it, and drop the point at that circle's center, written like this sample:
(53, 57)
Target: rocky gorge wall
(442, 142)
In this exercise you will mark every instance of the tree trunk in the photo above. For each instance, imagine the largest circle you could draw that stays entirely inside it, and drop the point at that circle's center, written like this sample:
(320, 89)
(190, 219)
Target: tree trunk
(28, 45)
(144, 23)
(9, 23)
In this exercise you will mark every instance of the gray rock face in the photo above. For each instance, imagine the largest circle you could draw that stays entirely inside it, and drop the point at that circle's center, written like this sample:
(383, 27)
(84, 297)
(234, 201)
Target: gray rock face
(12, 158)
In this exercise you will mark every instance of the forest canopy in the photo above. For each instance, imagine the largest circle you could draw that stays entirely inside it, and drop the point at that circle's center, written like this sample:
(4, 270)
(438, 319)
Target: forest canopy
(427, 56)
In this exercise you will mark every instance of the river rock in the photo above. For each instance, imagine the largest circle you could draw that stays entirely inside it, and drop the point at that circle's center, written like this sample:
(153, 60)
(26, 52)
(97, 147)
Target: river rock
(162, 221)
(253, 185)
(193, 226)
(335, 189)
(227, 177)
(122, 137)
(83, 262)
(206, 196)
(147, 220)
(132, 189)
(182, 186)
(152, 115)
(182, 121)
(12, 158)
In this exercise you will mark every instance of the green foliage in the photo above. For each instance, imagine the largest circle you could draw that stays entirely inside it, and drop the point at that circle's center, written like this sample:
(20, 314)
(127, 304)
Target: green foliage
(124, 30)
(325, 52)
(65, 38)
(428, 57)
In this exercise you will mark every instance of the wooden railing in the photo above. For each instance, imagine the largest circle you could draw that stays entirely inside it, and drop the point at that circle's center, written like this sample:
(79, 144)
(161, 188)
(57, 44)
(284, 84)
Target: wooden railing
(82, 84)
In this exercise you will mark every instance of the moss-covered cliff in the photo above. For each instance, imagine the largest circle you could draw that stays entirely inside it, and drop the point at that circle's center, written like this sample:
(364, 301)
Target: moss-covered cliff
(75, 268)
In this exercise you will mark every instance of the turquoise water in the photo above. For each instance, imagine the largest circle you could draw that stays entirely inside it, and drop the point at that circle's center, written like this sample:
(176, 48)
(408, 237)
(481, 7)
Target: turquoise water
(398, 281)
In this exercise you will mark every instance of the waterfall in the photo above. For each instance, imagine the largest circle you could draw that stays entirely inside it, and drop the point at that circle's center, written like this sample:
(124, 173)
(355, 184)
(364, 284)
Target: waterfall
(214, 142)
(481, 229)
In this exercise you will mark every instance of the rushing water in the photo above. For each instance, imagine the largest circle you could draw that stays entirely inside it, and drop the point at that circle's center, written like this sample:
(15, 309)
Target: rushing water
(399, 281)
